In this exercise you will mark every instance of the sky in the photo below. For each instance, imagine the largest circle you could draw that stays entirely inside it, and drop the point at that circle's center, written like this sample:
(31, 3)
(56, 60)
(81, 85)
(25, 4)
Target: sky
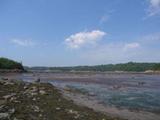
(79, 32)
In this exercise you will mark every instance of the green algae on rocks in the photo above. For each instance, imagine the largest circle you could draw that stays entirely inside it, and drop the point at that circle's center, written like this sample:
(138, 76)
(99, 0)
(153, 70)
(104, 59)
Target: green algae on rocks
(40, 101)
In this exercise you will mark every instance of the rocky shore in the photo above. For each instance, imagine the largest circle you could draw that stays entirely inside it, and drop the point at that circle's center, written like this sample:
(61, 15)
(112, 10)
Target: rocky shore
(40, 101)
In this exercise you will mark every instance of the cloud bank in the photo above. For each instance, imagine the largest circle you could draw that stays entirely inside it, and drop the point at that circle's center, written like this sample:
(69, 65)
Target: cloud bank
(24, 43)
(142, 49)
(84, 38)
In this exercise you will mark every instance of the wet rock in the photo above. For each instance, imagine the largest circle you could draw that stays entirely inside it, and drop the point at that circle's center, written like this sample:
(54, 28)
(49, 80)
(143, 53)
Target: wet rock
(11, 111)
(72, 112)
(6, 97)
(40, 115)
(75, 113)
(34, 94)
(42, 92)
(34, 99)
(2, 102)
(58, 108)
(15, 119)
(2, 107)
(2, 82)
(32, 91)
(36, 108)
(12, 99)
(91, 94)
(4, 116)
(8, 83)
(38, 80)
(3, 78)
(25, 87)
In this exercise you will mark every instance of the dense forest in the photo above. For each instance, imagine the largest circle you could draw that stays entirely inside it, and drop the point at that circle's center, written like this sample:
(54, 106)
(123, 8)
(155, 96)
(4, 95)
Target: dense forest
(131, 66)
(6, 63)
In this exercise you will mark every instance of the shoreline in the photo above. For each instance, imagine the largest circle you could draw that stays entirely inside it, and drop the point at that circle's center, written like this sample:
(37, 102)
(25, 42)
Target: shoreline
(84, 101)
(41, 101)
(99, 72)
(87, 101)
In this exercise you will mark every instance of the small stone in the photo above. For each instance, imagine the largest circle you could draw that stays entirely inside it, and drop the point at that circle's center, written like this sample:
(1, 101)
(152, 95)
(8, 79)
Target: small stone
(38, 80)
(58, 108)
(25, 87)
(36, 108)
(40, 115)
(4, 116)
(34, 99)
(33, 93)
(9, 96)
(2, 102)
(15, 119)
(42, 92)
(5, 78)
(1, 107)
(9, 83)
(13, 98)
(11, 111)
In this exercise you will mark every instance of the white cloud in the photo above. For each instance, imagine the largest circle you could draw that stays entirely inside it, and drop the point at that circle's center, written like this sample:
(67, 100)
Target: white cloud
(143, 49)
(154, 7)
(21, 42)
(83, 38)
(131, 46)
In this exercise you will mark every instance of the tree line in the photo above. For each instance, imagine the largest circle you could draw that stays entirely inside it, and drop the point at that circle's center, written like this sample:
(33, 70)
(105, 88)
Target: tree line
(6, 63)
(131, 66)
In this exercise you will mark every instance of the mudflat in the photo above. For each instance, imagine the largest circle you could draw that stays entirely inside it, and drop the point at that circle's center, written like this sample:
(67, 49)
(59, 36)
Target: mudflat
(133, 96)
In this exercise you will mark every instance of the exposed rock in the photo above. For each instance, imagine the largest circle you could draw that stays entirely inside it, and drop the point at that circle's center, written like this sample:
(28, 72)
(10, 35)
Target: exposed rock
(58, 108)
(36, 108)
(91, 94)
(2, 102)
(1, 107)
(40, 115)
(75, 113)
(34, 99)
(32, 91)
(6, 97)
(15, 119)
(8, 83)
(3, 78)
(11, 111)
(38, 80)
(4, 116)
(42, 92)
(13, 99)
(25, 87)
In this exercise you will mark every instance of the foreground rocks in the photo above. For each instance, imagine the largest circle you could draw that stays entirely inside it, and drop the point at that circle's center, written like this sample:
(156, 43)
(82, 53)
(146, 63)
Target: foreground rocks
(37, 101)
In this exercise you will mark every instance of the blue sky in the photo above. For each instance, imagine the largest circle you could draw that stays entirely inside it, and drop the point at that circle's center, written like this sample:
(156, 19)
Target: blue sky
(80, 32)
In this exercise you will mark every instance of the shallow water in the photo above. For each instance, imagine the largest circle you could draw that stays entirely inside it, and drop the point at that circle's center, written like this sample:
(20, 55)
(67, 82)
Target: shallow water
(133, 98)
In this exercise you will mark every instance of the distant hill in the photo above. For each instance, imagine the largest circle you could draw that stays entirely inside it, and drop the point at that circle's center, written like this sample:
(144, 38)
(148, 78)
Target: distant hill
(130, 67)
(7, 64)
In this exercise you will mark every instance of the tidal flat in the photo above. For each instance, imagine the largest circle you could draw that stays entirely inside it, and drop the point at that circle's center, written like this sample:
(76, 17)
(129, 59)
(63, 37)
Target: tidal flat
(21, 100)
(132, 96)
